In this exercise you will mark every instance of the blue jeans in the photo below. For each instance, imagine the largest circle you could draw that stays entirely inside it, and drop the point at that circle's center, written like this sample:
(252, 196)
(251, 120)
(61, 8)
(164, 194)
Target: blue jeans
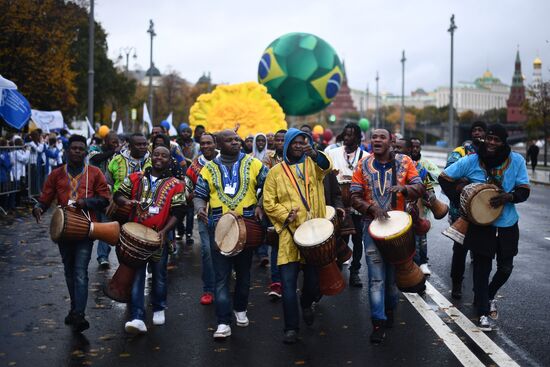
(208, 275)
(159, 289)
(103, 249)
(383, 293)
(76, 258)
(275, 271)
(421, 256)
(222, 268)
(310, 291)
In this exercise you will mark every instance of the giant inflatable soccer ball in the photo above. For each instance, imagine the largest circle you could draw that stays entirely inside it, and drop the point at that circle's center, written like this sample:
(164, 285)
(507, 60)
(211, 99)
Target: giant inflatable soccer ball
(302, 72)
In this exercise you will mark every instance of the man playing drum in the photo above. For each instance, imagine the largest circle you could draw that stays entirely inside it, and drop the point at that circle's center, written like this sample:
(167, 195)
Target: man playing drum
(207, 143)
(293, 194)
(158, 201)
(494, 163)
(345, 159)
(83, 186)
(458, 262)
(230, 182)
(382, 182)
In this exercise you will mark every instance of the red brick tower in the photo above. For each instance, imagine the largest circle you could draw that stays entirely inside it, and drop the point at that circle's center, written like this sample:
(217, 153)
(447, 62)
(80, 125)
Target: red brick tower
(342, 103)
(517, 95)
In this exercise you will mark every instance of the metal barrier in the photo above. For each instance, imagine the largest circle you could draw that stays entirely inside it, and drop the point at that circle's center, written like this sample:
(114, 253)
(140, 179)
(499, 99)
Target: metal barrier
(19, 178)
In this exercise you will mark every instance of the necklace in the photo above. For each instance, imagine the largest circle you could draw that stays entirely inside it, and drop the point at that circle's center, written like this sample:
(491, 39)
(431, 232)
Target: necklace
(351, 162)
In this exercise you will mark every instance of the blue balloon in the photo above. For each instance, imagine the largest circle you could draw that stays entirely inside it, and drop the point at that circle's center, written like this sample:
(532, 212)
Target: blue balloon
(14, 109)
(183, 125)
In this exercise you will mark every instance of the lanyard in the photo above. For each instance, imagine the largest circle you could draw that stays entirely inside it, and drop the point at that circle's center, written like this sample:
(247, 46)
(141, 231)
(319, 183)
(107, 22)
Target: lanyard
(231, 181)
(288, 172)
(74, 182)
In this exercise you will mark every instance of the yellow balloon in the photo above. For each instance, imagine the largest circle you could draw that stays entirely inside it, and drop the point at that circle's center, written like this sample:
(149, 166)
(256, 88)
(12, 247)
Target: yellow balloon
(103, 131)
(318, 129)
(247, 105)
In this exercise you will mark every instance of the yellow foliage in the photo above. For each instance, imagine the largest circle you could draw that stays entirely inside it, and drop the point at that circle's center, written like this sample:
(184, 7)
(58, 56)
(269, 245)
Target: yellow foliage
(247, 104)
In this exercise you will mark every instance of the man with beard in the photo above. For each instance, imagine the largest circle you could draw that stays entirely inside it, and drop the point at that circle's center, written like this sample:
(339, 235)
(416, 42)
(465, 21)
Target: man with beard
(159, 212)
(208, 149)
(134, 159)
(382, 182)
(345, 160)
(83, 186)
(494, 163)
(294, 193)
(428, 172)
(458, 263)
(101, 158)
(230, 182)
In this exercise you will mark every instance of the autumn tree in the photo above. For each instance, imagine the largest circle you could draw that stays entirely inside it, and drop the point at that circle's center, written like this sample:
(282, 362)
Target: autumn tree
(537, 108)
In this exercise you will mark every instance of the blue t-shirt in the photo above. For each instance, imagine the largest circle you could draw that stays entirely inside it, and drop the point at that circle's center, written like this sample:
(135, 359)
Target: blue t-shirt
(515, 175)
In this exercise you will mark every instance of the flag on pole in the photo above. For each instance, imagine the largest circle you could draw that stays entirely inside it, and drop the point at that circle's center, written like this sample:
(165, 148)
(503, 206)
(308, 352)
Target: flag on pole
(172, 131)
(147, 118)
(120, 128)
(91, 130)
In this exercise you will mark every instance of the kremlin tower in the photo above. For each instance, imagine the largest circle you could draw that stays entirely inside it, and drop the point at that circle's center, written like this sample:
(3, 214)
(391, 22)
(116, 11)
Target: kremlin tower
(517, 95)
(537, 72)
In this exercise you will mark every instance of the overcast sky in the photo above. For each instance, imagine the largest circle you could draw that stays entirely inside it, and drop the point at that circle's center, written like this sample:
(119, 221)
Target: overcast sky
(227, 37)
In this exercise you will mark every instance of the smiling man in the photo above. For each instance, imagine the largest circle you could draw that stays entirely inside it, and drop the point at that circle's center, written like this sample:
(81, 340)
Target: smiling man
(494, 163)
(382, 182)
(158, 199)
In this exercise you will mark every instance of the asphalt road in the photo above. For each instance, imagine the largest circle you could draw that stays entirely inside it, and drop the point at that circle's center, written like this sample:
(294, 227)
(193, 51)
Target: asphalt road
(35, 302)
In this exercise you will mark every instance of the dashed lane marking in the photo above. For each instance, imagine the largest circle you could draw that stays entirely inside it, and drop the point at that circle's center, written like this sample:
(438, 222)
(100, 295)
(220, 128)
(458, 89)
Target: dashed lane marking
(451, 340)
(547, 238)
(480, 338)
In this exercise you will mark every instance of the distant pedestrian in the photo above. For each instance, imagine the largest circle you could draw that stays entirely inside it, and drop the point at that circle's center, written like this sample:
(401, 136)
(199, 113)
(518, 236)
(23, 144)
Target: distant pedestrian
(533, 155)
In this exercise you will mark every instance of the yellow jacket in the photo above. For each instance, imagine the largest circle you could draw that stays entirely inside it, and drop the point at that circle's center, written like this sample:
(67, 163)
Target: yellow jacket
(280, 196)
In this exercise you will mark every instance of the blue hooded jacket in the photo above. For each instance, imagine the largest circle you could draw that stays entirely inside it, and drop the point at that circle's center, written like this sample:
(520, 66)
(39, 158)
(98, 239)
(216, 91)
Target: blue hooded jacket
(290, 135)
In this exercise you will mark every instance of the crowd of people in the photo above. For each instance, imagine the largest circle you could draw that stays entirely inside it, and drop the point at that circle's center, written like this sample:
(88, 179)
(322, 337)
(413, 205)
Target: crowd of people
(277, 182)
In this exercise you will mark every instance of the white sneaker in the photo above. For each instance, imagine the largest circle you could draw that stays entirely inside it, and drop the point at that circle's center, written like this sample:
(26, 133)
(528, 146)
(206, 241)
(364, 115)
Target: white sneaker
(135, 327)
(222, 332)
(242, 320)
(493, 311)
(485, 324)
(158, 318)
(425, 270)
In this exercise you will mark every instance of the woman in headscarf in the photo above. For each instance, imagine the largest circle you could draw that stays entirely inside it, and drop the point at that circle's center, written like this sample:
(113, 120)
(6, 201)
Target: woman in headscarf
(259, 146)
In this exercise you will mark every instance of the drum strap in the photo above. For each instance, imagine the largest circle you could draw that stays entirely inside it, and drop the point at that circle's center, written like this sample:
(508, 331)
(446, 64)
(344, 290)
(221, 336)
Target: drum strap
(393, 183)
(288, 172)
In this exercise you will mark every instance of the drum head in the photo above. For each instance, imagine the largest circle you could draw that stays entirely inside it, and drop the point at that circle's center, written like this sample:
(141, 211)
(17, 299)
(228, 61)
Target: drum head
(398, 223)
(57, 224)
(227, 233)
(141, 233)
(330, 212)
(313, 232)
(480, 209)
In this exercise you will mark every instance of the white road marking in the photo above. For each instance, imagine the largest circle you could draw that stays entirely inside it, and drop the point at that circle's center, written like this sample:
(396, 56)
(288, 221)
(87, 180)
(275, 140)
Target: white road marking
(547, 238)
(453, 342)
(482, 340)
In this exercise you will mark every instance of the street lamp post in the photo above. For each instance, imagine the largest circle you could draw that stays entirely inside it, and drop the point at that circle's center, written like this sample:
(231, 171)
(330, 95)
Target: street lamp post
(127, 51)
(377, 115)
(151, 31)
(91, 34)
(403, 59)
(367, 102)
(451, 30)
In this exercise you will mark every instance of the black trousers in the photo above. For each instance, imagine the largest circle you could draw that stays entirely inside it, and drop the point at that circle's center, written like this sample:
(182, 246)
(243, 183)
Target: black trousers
(458, 263)
(357, 240)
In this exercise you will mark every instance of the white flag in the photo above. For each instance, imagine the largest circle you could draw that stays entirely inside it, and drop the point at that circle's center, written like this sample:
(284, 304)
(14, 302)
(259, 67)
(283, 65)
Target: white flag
(91, 130)
(120, 128)
(172, 131)
(147, 118)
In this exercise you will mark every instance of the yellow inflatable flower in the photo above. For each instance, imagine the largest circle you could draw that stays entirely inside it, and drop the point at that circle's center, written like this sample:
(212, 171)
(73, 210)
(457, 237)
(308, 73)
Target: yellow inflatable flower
(247, 104)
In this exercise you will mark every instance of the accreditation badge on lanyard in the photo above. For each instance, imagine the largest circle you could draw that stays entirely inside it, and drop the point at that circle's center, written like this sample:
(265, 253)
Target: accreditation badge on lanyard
(230, 183)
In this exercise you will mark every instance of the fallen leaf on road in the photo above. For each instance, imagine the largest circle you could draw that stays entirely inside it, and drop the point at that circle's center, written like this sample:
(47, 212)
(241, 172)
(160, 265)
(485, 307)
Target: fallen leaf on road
(322, 333)
(218, 350)
(299, 362)
(124, 355)
(107, 337)
(41, 347)
(344, 326)
(18, 333)
(276, 318)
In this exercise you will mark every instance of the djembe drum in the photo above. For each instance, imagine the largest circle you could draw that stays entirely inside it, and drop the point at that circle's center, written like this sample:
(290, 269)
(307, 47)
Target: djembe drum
(137, 244)
(70, 224)
(315, 240)
(475, 208)
(343, 252)
(394, 238)
(234, 233)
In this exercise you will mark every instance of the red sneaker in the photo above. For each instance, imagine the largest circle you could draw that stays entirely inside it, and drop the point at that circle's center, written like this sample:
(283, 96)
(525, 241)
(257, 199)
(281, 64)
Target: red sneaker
(207, 298)
(275, 291)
